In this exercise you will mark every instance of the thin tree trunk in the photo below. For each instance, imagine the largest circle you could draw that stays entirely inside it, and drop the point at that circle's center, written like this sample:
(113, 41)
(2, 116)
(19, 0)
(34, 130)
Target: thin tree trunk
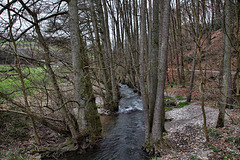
(142, 69)
(202, 90)
(111, 64)
(105, 76)
(236, 81)
(175, 49)
(179, 33)
(196, 38)
(23, 87)
(59, 100)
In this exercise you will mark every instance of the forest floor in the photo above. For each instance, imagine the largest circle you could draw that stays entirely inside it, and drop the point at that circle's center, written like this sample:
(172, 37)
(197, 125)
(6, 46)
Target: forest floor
(185, 134)
(186, 137)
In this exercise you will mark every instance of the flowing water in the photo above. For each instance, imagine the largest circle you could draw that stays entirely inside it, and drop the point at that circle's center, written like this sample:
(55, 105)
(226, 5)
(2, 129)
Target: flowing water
(123, 133)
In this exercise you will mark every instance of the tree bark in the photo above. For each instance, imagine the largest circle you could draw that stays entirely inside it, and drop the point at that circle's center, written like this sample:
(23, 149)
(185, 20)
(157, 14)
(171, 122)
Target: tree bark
(196, 39)
(104, 30)
(111, 64)
(88, 119)
(105, 76)
(77, 62)
(179, 37)
(159, 112)
(226, 80)
(23, 87)
(153, 58)
(142, 68)
(59, 101)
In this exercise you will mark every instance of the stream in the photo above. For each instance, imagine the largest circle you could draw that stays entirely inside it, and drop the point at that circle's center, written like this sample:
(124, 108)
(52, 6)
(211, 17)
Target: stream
(123, 133)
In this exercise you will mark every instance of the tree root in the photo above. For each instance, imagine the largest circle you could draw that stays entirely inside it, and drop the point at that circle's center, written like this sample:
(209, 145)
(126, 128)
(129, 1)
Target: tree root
(157, 148)
(58, 150)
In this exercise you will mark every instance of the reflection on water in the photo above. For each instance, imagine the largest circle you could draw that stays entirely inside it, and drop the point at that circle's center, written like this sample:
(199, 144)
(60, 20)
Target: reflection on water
(123, 133)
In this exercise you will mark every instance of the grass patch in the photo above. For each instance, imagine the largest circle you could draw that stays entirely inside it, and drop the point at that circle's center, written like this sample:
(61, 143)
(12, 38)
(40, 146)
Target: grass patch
(169, 101)
(155, 158)
(179, 97)
(182, 104)
(10, 81)
(168, 108)
(12, 69)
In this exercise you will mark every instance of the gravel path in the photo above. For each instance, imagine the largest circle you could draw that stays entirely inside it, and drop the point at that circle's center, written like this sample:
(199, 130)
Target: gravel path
(186, 138)
(191, 115)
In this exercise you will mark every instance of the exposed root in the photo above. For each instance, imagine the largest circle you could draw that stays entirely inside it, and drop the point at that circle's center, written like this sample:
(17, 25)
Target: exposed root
(58, 150)
(157, 148)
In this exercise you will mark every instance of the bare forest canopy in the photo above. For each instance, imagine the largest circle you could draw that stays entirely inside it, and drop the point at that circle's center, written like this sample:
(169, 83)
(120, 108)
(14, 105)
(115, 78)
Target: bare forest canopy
(57, 57)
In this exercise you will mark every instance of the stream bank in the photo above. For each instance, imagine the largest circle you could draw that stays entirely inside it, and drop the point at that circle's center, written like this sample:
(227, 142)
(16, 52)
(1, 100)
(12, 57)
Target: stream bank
(124, 134)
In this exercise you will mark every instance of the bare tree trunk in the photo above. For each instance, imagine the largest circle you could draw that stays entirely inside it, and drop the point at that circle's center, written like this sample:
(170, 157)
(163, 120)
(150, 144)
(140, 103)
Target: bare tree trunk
(105, 76)
(179, 37)
(175, 50)
(159, 112)
(59, 101)
(226, 63)
(218, 15)
(23, 87)
(104, 30)
(202, 90)
(150, 27)
(111, 64)
(77, 62)
(236, 81)
(153, 58)
(142, 68)
(88, 119)
(196, 38)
